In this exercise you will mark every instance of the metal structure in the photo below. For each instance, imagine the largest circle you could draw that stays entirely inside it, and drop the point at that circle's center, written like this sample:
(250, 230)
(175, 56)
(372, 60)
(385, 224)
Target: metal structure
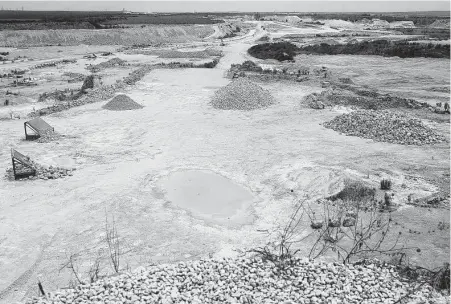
(38, 126)
(22, 166)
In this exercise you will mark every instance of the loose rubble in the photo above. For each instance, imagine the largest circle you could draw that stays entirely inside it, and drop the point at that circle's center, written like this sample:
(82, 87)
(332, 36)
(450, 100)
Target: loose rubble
(357, 97)
(107, 64)
(122, 102)
(246, 280)
(48, 136)
(385, 126)
(44, 172)
(242, 94)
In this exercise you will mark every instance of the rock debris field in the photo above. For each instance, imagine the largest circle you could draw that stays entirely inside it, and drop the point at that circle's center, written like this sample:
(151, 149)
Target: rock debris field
(385, 126)
(245, 280)
(242, 94)
(122, 103)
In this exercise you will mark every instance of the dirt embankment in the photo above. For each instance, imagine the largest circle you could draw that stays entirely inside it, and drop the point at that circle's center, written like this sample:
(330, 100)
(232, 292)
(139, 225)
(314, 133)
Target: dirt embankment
(149, 35)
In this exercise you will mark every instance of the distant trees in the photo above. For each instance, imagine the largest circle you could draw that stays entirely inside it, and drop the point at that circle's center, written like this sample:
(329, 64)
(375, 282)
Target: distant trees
(381, 47)
(280, 51)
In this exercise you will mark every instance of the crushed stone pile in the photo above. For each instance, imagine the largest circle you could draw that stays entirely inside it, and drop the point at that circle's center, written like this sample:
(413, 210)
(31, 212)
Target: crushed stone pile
(360, 98)
(52, 172)
(242, 94)
(385, 126)
(122, 102)
(246, 280)
(107, 64)
(44, 172)
(48, 136)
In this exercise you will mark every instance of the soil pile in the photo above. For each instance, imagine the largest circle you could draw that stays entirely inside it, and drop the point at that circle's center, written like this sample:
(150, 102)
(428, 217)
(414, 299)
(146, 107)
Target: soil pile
(122, 103)
(246, 280)
(385, 126)
(242, 94)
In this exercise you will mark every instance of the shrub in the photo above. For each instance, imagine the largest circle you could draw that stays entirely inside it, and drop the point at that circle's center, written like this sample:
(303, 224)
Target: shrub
(280, 51)
(355, 192)
(382, 47)
(211, 64)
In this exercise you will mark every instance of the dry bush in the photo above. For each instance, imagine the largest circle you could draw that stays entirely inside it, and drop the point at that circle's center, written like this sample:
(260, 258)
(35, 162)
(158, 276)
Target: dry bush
(282, 252)
(114, 246)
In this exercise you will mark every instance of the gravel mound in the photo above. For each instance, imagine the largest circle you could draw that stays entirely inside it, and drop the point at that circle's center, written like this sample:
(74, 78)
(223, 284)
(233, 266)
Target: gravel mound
(242, 94)
(108, 64)
(42, 172)
(385, 126)
(122, 102)
(48, 136)
(245, 280)
(361, 98)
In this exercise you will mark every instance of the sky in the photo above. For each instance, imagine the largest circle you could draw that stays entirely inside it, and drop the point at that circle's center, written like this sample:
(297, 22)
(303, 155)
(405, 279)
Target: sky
(229, 5)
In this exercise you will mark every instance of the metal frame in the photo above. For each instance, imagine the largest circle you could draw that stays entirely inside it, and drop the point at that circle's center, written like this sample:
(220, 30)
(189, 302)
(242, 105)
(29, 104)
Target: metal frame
(34, 136)
(22, 160)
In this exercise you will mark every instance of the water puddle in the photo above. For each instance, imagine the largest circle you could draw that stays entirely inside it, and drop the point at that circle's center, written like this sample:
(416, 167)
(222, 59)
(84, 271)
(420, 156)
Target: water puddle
(208, 195)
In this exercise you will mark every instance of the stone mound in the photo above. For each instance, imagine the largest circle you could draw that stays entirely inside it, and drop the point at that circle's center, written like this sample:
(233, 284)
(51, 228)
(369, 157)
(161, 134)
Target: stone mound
(385, 126)
(242, 94)
(122, 103)
(42, 172)
(246, 280)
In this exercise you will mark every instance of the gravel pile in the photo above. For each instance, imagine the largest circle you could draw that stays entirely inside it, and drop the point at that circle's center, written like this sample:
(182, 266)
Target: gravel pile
(361, 98)
(52, 172)
(122, 102)
(43, 172)
(48, 136)
(137, 74)
(242, 94)
(385, 126)
(107, 64)
(244, 280)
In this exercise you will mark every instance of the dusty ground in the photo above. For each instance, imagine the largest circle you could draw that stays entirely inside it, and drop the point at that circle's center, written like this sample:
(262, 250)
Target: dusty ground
(122, 158)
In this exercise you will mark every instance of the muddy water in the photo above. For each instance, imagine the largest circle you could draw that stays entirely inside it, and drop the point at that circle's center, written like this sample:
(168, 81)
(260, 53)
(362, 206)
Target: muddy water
(208, 195)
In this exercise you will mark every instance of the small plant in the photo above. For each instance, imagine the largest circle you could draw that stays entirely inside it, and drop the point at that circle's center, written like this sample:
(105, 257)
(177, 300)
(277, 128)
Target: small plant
(385, 184)
(114, 247)
(281, 251)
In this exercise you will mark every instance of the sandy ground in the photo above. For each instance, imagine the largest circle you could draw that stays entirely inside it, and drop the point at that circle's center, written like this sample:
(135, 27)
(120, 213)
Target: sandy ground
(122, 159)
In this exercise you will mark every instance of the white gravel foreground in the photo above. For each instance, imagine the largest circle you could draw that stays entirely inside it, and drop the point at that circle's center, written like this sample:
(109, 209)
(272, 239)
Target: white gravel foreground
(244, 280)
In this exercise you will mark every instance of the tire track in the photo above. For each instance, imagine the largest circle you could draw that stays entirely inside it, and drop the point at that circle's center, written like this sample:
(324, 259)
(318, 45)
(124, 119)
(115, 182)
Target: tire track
(25, 276)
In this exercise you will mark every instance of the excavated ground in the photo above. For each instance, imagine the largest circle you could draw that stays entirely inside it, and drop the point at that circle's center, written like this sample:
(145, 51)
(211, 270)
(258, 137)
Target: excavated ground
(123, 158)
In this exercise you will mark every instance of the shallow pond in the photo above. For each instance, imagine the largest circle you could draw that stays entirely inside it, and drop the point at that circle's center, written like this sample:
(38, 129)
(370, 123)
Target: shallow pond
(208, 195)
